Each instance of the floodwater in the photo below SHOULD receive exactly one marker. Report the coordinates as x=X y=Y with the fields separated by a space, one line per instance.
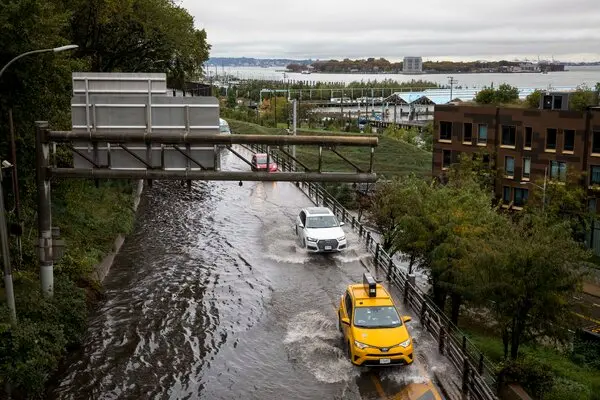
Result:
x=210 y=297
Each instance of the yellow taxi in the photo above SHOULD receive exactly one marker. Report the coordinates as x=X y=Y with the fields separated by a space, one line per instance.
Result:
x=374 y=333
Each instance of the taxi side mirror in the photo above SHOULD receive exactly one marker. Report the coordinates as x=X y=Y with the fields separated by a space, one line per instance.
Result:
x=406 y=318
x=346 y=321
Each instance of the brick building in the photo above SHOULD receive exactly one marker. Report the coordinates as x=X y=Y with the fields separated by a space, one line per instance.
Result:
x=523 y=145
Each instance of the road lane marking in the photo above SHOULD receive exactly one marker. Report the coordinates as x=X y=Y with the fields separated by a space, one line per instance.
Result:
x=378 y=386
x=587 y=318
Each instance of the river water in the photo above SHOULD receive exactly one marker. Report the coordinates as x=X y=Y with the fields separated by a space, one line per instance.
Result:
x=210 y=297
x=570 y=78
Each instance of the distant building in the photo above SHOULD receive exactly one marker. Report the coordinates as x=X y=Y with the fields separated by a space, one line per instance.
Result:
x=412 y=65
x=523 y=145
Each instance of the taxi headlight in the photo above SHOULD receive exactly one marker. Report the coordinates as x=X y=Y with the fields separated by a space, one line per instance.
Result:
x=405 y=344
x=360 y=345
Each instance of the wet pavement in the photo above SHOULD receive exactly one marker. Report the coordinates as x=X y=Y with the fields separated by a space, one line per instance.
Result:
x=211 y=297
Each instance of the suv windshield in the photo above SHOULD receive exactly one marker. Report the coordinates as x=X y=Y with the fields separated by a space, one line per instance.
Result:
x=262 y=160
x=376 y=317
x=322 y=221
x=224 y=128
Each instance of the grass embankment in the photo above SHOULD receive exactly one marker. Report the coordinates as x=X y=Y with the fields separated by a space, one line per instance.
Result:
x=392 y=157
x=571 y=377
x=89 y=219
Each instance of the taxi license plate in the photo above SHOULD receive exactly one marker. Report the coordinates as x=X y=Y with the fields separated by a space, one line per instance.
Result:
x=384 y=361
x=327 y=247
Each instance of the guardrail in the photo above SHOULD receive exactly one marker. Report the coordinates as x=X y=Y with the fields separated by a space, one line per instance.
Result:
x=477 y=372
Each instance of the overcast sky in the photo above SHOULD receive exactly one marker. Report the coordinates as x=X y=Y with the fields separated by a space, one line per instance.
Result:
x=433 y=29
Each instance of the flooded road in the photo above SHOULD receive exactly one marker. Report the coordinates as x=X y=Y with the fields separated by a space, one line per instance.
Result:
x=210 y=297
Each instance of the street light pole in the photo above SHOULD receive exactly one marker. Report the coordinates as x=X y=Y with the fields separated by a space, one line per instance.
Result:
x=8 y=282
x=541 y=187
x=55 y=50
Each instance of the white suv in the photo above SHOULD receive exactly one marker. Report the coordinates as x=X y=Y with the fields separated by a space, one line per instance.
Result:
x=319 y=230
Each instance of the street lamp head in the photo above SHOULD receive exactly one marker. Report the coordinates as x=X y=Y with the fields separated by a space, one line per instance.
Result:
x=64 y=48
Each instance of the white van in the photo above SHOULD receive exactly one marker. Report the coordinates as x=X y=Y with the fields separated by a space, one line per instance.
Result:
x=224 y=127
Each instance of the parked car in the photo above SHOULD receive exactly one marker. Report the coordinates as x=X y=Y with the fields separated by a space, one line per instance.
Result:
x=374 y=333
x=319 y=230
x=259 y=163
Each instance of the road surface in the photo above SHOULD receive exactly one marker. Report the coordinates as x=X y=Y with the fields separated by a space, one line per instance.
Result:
x=210 y=297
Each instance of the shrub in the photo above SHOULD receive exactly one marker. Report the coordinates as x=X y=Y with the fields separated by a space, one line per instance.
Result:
x=30 y=351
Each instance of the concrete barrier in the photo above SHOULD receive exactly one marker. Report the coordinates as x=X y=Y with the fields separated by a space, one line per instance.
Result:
x=102 y=268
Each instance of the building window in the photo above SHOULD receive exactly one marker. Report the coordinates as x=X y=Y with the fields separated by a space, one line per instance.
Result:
x=569 y=144
x=528 y=136
x=595 y=175
x=596 y=142
x=509 y=166
x=592 y=206
x=558 y=170
x=506 y=194
x=467 y=132
x=482 y=133
x=521 y=196
x=445 y=130
x=508 y=135
x=526 y=167
x=557 y=102
x=446 y=158
x=550 y=139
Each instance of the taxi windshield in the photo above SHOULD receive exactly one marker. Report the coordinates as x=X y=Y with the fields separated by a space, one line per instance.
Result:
x=323 y=221
x=376 y=317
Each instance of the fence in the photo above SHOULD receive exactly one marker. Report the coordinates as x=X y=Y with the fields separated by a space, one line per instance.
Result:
x=477 y=372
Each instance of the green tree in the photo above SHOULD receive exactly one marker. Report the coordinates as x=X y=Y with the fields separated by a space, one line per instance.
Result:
x=504 y=94
x=139 y=35
x=486 y=96
x=231 y=99
x=533 y=99
x=564 y=202
x=584 y=97
x=531 y=274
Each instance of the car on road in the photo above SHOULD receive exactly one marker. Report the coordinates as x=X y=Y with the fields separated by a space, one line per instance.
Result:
x=319 y=231
x=223 y=130
x=259 y=163
x=373 y=331
x=224 y=127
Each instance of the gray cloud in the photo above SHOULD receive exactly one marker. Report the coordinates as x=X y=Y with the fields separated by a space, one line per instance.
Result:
x=393 y=29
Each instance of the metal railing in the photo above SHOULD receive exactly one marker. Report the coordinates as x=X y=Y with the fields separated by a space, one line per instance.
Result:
x=477 y=372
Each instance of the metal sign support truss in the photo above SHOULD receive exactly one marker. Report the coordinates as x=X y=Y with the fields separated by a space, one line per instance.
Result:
x=45 y=171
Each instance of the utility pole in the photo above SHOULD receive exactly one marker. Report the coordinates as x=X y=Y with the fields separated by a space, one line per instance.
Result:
x=294 y=130
x=452 y=82
x=42 y=149
x=8 y=281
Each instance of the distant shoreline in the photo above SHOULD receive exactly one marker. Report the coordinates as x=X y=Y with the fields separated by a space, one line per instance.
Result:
x=415 y=74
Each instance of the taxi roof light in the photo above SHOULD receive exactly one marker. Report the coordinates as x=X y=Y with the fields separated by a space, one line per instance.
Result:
x=370 y=284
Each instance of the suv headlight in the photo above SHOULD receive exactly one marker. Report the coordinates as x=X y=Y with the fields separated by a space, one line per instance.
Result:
x=405 y=344
x=309 y=239
x=341 y=238
x=360 y=345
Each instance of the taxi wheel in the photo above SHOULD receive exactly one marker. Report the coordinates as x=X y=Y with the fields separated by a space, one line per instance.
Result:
x=340 y=323
x=349 y=352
